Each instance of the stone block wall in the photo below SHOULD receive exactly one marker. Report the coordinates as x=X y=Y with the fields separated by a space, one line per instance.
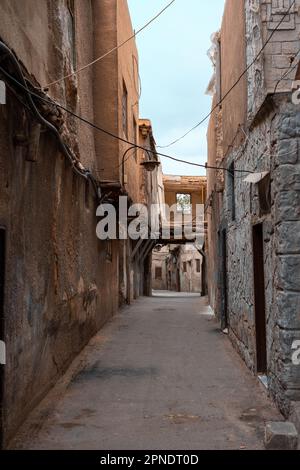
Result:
x=271 y=132
x=285 y=376
x=272 y=146
x=274 y=69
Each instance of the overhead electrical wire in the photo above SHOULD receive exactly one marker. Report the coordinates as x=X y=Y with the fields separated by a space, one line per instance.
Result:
x=52 y=102
x=75 y=72
x=75 y=162
x=95 y=126
x=241 y=152
x=235 y=83
x=291 y=68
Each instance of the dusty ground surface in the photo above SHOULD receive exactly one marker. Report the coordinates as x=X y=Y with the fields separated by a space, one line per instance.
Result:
x=160 y=375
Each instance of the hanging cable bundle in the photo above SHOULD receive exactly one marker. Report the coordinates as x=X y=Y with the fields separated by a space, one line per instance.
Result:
x=75 y=162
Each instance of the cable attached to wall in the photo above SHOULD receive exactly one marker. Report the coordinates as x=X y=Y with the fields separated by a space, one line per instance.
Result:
x=235 y=83
x=114 y=49
x=75 y=163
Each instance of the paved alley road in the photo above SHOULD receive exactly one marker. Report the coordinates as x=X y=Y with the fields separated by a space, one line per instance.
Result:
x=160 y=375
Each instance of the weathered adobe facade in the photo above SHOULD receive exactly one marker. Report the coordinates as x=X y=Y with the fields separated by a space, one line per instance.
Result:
x=61 y=283
x=253 y=247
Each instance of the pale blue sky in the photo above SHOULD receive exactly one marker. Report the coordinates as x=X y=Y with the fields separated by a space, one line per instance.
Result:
x=175 y=72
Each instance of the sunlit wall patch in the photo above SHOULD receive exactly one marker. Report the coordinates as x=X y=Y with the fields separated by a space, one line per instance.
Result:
x=296 y=353
x=2 y=92
x=2 y=353
x=296 y=92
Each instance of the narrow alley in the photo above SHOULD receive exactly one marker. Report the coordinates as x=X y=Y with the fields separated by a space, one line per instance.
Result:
x=149 y=227
x=160 y=375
